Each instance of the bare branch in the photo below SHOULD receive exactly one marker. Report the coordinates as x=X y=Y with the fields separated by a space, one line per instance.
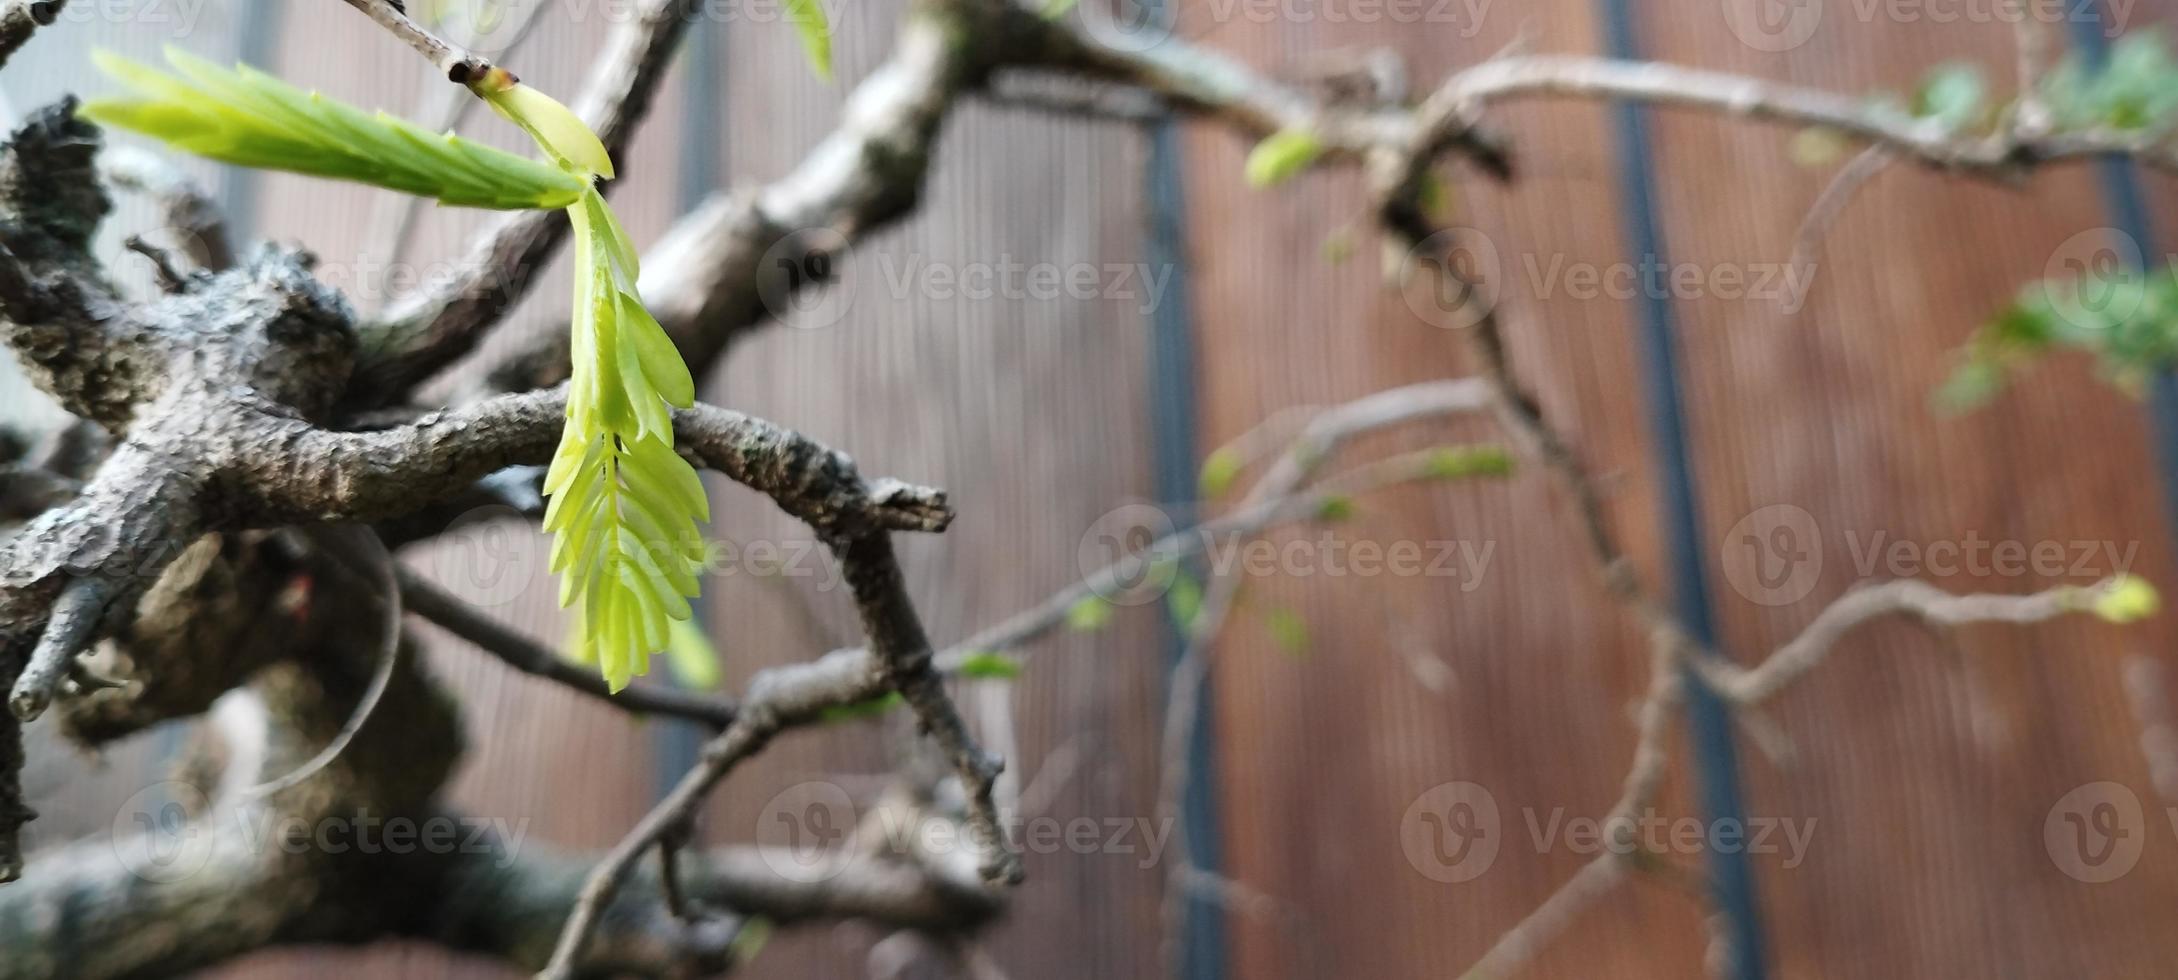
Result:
x=523 y=654
x=1868 y=602
x=457 y=63
x=778 y=698
x=320 y=475
x=21 y=19
x=70 y=629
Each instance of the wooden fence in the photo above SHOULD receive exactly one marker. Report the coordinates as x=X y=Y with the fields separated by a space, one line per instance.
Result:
x=1922 y=767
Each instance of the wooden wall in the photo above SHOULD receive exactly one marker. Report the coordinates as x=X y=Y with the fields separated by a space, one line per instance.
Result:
x=1925 y=765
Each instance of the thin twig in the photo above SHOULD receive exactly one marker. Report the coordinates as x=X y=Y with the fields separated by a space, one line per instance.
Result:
x=457 y=63
x=394 y=219
x=21 y=19
x=1833 y=200
x=533 y=658
x=778 y=698
x=72 y=626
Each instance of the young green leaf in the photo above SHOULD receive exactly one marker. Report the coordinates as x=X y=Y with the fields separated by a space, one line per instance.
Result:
x=624 y=506
x=1184 y=601
x=1281 y=155
x=1089 y=615
x=246 y=117
x=816 y=33
x=863 y=710
x=989 y=665
x=1459 y=462
x=689 y=653
x=1288 y=630
x=1952 y=95
x=1218 y=471
x=555 y=127
x=2128 y=599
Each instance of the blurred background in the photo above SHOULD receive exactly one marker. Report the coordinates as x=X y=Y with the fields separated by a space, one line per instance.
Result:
x=1928 y=777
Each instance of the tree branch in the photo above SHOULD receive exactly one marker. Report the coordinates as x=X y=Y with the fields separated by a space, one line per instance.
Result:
x=457 y=63
x=21 y=19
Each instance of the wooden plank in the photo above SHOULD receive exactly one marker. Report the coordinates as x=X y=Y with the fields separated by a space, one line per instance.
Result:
x=1329 y=758
x=1928 y=765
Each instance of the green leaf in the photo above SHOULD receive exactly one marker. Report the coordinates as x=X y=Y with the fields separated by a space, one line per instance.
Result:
x=1816 y=146
x=754 y=935
x=1338 y=246
x=695 y=662
x=1055 y=9
x=816 y=33
x=1971 y=385
x=863 y=710
x=246 y=117
x=1435 y=198
x=2126 y=317
x=622 y=501
x=1459 y=462
x=1218 y=471
x=1335 y=508
x=1951 y=94
x=1185 y=599
x=1089 y=615
x=553 y=126
x=2127 y=599
x=1281 y=155
x=989 y=665
x=1288 y=630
